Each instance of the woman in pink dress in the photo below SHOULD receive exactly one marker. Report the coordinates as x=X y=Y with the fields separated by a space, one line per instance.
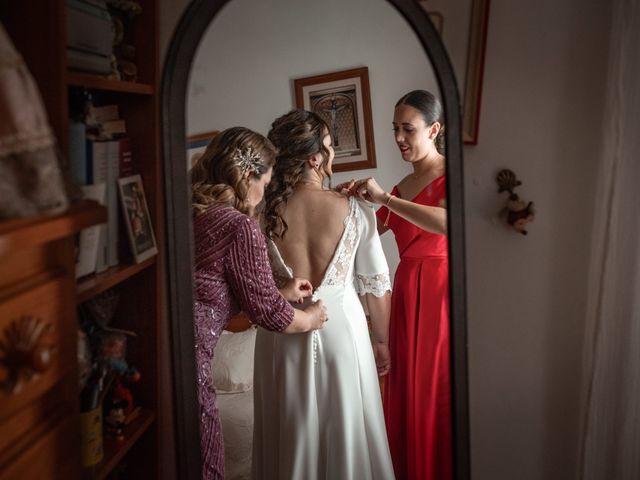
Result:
x=417 y=394
x=232 y=270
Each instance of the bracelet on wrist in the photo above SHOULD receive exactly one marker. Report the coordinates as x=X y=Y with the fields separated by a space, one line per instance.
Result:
x=389 y=197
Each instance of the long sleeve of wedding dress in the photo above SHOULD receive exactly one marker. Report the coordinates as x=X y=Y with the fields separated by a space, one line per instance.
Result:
x=371 y=269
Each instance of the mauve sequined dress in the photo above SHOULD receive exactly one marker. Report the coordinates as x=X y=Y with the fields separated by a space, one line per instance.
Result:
x=232 y=273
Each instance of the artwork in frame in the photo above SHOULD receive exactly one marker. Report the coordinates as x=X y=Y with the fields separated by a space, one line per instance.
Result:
x=343 y=100
x=196 y=145
x=136 y=216
x=463 y=27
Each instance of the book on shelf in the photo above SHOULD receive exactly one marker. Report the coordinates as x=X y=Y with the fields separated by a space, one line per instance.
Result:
x=101 y=124
x=89 y=238
x=114 y=128
x=99 y=171
x=80 y=61
x=104 y=123
x=125 y=159
x=78 y=152
x=110 y=160
x=104 y=113
x=90 y=36
x=89 y=27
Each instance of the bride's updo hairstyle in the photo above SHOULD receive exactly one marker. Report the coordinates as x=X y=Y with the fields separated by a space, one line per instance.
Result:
x=298 y=136
x=218 y=177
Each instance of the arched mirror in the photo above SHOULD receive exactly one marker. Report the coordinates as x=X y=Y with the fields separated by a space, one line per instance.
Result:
x=240 y=62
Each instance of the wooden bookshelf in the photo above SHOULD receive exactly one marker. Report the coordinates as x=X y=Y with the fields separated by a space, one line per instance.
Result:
x=41 y=249
x=94 y=82
x=42 y=229
x=92 y=285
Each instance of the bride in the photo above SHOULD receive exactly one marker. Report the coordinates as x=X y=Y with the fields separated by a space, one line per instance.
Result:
x=318 y=412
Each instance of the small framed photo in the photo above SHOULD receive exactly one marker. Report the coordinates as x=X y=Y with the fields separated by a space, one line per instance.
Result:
x=343 y=100
x=136 y=216
x=196 y=145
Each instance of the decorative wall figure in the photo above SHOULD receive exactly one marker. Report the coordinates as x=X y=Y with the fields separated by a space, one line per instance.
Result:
x=517 y=212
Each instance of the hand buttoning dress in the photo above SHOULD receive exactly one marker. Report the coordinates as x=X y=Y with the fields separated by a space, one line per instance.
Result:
x=232 y=272
x=318 y=412
x=417 y=392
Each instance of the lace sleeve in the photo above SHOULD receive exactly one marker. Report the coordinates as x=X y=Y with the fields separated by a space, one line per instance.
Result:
x=371 y=269
x=377 y=284
x=281 y=273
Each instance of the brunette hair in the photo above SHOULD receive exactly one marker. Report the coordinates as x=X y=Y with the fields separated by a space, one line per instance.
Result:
x=298 y=136
x=217 y=176
x=430 y=108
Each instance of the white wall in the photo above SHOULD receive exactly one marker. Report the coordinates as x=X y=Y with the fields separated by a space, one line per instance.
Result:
x=541 y=114
x=244 y=68
x=541 y=117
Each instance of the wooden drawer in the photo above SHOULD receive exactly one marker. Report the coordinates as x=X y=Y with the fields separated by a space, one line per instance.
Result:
x=50 y=453
x=39 y=421
x=45 y=301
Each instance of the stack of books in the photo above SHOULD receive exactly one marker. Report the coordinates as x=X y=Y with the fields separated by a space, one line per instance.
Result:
x=90 y=36
x=100 y=153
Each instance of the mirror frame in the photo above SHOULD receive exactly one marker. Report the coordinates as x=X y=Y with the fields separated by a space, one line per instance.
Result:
x=178 y=228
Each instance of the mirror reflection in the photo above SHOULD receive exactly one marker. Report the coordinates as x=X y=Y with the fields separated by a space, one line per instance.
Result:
x=345 y=274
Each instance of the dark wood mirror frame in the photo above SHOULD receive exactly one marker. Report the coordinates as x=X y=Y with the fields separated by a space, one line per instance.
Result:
x=186 y=39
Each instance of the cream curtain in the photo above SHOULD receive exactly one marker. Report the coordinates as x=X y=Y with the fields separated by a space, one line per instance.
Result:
x=610 y=440
x=31 y=181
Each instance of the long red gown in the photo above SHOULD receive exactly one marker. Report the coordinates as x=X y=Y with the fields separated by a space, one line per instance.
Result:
x=417 y=393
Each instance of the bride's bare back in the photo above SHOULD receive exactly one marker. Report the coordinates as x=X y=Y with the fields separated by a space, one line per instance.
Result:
x=316 y=223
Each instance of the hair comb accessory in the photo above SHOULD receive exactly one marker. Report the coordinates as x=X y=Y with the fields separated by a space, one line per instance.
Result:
x=248 y=161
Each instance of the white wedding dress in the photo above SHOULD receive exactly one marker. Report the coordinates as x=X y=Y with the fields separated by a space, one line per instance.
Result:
x=318 y=411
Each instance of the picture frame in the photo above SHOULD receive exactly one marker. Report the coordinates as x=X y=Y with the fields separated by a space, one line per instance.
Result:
x=463 y=28
x=343 y=100
x=136 y=217
x=196 y=145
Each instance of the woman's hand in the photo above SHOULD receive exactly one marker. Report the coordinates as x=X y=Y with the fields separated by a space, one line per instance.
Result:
x=369 y=190
x=296 y=290
x=345 y=188
x=311 y=318
x=383 y=358
x=317 y=315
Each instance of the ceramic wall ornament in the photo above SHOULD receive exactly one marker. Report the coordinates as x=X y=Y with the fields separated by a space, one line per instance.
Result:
x=517 y=212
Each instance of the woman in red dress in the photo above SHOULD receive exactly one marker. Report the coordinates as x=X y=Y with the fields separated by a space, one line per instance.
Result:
x=417 y=393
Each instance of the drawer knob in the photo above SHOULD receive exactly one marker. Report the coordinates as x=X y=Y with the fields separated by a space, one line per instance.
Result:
x=23 y=351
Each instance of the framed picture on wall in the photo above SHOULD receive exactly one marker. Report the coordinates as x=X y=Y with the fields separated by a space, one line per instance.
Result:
x=136 y=217
x=343 y=100
x=196 y=145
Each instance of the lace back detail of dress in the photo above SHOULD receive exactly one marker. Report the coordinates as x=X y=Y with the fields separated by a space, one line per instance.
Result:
x=342 y=261
x=281 y=272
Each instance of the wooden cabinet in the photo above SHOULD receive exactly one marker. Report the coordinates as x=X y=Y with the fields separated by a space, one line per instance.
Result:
x=39 y=419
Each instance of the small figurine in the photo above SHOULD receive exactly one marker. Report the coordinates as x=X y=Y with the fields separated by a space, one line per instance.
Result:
x=112 y=353
x=114 y=419
x=112 y=350
x=517 y=212
x=122 y=14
